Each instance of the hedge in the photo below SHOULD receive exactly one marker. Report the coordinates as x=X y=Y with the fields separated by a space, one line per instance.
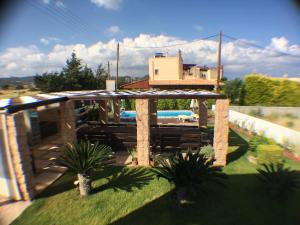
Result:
x=262 y=90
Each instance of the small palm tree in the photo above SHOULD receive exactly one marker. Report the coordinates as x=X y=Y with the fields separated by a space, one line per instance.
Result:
x=83 y=158
x=188 y=173
x=277 y=180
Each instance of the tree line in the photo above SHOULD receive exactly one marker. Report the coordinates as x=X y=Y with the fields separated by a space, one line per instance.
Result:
x=74 y=76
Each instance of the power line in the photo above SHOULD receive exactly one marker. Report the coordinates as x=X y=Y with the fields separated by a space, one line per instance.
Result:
x=58 y=17
x=260 y=47
x=169 y=46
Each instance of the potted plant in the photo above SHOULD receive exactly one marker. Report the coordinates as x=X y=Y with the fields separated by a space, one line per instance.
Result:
x=83 y=158
x=132 y=153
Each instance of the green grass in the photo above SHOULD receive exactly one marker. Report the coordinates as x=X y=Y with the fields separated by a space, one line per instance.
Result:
x=137 y=197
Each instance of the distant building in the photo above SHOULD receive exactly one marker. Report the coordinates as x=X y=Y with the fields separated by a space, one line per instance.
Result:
x=168 y=72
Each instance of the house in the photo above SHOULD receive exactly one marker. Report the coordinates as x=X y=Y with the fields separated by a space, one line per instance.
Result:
x=169 y=72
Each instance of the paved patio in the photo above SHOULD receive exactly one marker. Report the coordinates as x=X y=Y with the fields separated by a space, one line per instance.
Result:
x=10 y=210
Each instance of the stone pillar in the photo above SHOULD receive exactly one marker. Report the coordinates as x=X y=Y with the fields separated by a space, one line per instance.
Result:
x=153 y=111
x=103 y=111
x=143 y=131
x=221 y=130
x=116 y=106
x=202 y=107
x=19 y=148
x=67 y=122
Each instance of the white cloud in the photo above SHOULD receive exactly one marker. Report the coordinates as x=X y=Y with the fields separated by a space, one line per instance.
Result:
x=114 y=30
x=48 y=40
x=280 y=44
x=46 y=1
x=199 y=28
x=237 y=59
x=60 y=4
x=108 y=4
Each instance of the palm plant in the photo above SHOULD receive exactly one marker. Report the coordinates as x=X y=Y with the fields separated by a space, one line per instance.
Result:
x=188 y=173
x=83 y=158
x=277 y=180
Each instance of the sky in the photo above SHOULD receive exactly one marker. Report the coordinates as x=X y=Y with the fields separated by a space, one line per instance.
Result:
x=261 y=36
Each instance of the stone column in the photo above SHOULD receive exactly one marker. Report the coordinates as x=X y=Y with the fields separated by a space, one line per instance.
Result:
x=67 y=122
x=18 y=145
x=103 y=111
x=202 y=107
x=221 y=130
x=153 y=111
x=143 y=131
x=117 y=105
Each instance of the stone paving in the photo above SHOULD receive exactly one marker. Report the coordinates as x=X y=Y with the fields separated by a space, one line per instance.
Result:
x=9 y=210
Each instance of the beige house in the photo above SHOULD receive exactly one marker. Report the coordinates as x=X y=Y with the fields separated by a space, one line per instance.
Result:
x=170 y=70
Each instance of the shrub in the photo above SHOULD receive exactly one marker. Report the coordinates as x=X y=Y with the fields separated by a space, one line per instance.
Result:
x=290 y=124
x=132 y=153
x=270 y=153
x=83 y=158
x=188 y=173
x=93 y=113
x=208 y=152
x=258 y=140
x=256 y=112
x=277 y=180
x=19 y=87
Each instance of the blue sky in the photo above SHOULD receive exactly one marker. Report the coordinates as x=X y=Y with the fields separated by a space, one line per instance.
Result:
x=46 y=31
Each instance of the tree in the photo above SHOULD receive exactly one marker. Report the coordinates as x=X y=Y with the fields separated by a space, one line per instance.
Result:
x=72 y=73
x=101 y=77
x=49 y=82
x=72 y=77
x=232 y=88
x=5 y=86
x=83 y=158
x=183 y=104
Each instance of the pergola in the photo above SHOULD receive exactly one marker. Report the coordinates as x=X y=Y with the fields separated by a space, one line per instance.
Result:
x=146 y=115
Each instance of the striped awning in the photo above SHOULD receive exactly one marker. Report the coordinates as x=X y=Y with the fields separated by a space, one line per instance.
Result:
x=27 y=102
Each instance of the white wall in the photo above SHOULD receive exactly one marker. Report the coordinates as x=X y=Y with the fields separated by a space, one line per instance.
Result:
x=278 y=133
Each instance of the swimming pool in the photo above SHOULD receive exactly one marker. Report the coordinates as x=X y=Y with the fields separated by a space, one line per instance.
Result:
x=160 y=113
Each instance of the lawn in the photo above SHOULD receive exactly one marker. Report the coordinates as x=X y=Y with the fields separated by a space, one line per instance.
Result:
x=137 y=197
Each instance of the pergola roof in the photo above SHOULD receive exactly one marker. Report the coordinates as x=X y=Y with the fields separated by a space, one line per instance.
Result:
x=27 y=102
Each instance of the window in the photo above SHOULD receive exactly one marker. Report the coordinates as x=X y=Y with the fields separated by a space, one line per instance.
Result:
x=156 y=71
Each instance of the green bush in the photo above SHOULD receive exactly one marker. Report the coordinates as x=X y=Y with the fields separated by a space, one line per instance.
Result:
x=258 y=140
x=261 y=90
x=269 y=153
x=290 y=124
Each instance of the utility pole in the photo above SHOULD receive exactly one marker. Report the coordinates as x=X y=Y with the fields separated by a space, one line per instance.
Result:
x=118 y=56
x=108 y=71
x=219 y=61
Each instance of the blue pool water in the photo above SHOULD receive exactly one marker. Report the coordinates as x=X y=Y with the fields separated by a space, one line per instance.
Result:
x=160 y=114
